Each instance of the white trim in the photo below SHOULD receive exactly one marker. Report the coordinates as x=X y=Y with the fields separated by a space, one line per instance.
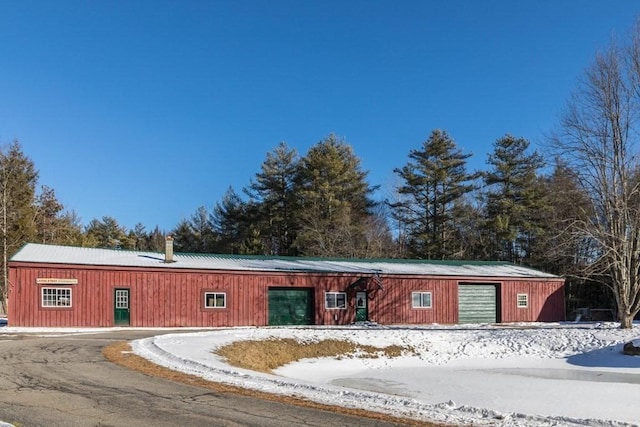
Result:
x=58 y=296
x=522 y=298
x=216 y=295
x=422 y=295
x=334 y=304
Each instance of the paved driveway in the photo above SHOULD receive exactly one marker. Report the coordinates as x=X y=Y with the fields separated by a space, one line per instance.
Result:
x=65 y=381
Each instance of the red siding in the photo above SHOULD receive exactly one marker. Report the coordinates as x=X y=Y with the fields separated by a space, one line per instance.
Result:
x=545 y=298
x=174 y=298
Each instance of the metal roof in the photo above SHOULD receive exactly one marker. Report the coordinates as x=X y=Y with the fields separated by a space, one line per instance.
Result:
x=53 y=254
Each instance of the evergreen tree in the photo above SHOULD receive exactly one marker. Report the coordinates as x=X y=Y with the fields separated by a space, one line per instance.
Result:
x=335 y=201
x=54 y=225
x=139 y=237
x=563 y=249
x=69 y=230
x=48 y=211
x=18 y=179
x=231 y=221
x=274 y=193
x=202 y=230
x=156 y=240
x=107 y=233
x=184 y=239
x=434 y=182
x=514 y=199
x=196 y=234
x=558 y=250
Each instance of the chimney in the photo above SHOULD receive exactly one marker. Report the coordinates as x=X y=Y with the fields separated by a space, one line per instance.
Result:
x=168 y=249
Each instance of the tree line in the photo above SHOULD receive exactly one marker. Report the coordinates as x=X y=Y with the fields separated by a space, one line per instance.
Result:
x=574 y=211
x=321 y=204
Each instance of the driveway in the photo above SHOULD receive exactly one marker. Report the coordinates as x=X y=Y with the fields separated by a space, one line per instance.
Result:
x=65 y=381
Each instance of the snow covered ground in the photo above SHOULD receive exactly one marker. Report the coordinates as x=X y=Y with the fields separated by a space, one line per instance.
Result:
x=559 y=374
x=511 y=375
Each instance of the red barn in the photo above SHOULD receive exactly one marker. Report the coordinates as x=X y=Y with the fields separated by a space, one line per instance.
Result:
x=72 y=286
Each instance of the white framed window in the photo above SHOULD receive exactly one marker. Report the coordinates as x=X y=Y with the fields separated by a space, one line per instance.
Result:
x=335 y=300
x=522 y=300
x=215 y=300
x=421 y=299
x=56 y=297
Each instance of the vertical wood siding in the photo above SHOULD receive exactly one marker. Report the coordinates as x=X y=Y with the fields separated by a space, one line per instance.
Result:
x=175 y=298
x=545 y=298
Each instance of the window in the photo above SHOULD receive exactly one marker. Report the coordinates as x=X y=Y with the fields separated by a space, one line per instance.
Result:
x=421 y=299
x=522 y=300
x=56 y=297
x=215 y=300
x=335 y=300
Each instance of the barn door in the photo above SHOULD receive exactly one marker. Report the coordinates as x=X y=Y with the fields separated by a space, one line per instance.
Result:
x=290 y=306
x=477 y=303
x=121 y=308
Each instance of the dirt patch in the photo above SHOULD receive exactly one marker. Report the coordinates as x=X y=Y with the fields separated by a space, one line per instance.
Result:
x=267 y=355
x=121 y=354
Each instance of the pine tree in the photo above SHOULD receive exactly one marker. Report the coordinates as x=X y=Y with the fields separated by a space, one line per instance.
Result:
x=231 y=222
x=156 y=240
x=18 y=179
x=139 y=237
x=274 y=194
x=562 y=248
x=514 y=198
x=48 y=210
x=107 y=233
x=202 y=229
x=53 y=225
x=196 y=234
x=335 y=201
x=69 y=230
x=435 y=181
x=184 y=239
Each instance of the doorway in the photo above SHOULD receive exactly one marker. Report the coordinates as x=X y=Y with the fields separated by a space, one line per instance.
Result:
x=362 y=312
x=121 y=307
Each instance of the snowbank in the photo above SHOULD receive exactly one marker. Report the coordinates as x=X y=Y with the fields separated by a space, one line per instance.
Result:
x=508 y=375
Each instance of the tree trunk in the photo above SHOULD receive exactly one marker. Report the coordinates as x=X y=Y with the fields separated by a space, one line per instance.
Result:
x=626 y=320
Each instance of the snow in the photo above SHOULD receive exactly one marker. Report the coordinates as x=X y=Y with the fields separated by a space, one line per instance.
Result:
x=40 y=253
x=515 y=375
x=540 y=374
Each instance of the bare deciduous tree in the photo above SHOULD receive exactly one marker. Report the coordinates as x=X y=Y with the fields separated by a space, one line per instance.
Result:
x=599 y=140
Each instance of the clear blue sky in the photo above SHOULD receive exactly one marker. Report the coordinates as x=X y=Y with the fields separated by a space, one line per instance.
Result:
x=146 y=110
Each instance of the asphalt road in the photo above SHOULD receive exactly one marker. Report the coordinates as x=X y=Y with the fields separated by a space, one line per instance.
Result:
x=65 y=381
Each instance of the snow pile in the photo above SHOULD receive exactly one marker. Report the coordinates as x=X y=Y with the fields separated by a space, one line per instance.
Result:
x=507 y=375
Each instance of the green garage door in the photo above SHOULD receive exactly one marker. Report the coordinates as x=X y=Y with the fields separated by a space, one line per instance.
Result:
x=477 y=303
x=290 y=306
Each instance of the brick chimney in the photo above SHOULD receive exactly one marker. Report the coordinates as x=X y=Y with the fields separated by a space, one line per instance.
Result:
x=168 y=249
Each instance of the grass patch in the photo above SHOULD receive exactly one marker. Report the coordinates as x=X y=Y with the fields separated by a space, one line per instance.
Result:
x=267 y=355
x=120 y=353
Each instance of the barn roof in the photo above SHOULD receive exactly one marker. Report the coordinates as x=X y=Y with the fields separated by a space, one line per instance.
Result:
x=52 y=254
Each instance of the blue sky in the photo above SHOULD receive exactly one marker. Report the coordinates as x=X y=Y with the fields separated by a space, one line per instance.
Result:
x=146 y=110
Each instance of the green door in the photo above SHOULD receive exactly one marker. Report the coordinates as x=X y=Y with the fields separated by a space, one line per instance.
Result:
x=290 y=306
x=362 y=314
x=121 y=310
x=477 y=303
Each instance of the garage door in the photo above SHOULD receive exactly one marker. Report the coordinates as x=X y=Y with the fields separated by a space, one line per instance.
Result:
x=290 y=306
x=477 y=303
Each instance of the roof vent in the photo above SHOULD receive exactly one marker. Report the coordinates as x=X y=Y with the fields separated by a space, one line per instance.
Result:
x=168 y=249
